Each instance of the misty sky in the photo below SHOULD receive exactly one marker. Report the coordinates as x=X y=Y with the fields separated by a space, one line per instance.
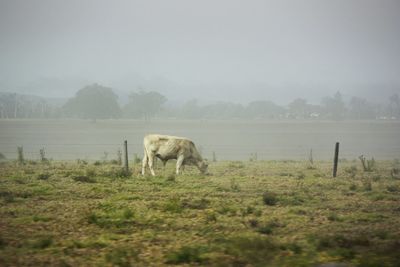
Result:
x=228 y=50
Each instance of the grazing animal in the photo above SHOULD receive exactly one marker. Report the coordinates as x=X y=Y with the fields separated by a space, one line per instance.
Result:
x=167 y=147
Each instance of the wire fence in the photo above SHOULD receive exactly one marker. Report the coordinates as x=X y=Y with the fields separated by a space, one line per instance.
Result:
x=109 y=151
x=228 y=140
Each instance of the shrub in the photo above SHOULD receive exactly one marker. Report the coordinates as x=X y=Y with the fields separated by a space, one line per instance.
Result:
x=122 y=172
x=353 y=187
x=253 y=223
x=393 y=188
x=333 y=217
x=173 y=205
x=248 y=210
x=234 y=185
x=236 y=165
x=265 y=229
x=286 y=174
x=268 y=227
x=43 y=242
x=270 y=198
x=367 y=185
x=199 y=203
x=121 y=219
x=38 y=218
x=301 y=175
x=251 y=250
x=92 y=218
x=7 y=196
x=81 y=162
x=90 y=172
x=121 y=257
x=114 y=162
x=376 y=178
x=42 y=154
x=128 y=214
x=368 y=165
x=395 y=173
x=83 y=179
x=2 y=243
x=211 y=217
x=352 y=171
x=294 y=198
x=296 y=248
x=43 y=176
x=118 y=173
x=253 y=157
x=136 y=159
x=339 y=240
x=119 y=157
x=187 y=254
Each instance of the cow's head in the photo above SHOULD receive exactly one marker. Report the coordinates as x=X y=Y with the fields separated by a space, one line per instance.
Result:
x=203 y=166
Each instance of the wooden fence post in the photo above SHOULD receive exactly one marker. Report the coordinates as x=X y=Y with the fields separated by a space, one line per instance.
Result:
x=310 y=158
x=126 y=156
x=335 y=160
x=20 y=151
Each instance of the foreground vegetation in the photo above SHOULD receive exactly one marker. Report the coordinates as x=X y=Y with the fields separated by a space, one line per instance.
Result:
x=260 y=213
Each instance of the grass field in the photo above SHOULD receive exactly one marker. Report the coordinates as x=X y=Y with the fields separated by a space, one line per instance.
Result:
x=263 y=213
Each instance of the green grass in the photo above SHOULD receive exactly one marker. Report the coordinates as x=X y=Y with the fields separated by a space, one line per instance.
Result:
x=258 y=213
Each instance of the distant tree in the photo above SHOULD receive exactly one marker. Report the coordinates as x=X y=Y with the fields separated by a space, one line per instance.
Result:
x=8 y=104
x=299 y=108
x=14 y=105
x=223 y=110
x=361 y=109
x=264 y=109
x=394 y=106
x=144 y=104
x=94 y=102
x=334 y=107
x=191 y=110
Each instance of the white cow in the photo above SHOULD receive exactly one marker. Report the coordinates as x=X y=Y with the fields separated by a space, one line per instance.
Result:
x=167 y=147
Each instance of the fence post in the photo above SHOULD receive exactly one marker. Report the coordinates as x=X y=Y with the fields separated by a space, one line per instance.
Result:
x=126 y=167
x=42 y=155
x=310 y=158
x=214 y=157
x=335 y=160
x=20 y=151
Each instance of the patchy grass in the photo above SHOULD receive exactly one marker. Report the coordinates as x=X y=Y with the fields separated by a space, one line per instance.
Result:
x=185 y=254
x=258 y=213
x=270 y=198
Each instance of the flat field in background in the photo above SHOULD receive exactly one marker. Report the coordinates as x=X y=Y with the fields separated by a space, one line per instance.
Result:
x=263 y=213
x=230 y=140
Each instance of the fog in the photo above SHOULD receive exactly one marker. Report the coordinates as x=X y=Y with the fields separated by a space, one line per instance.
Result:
x=210 y=50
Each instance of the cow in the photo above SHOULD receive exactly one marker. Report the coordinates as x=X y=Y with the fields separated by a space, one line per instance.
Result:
x=166 y=147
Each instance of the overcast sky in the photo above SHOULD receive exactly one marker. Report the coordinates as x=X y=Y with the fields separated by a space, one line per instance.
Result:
x=224 y=49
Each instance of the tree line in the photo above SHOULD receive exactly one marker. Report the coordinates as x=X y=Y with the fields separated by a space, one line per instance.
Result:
x=99 y=102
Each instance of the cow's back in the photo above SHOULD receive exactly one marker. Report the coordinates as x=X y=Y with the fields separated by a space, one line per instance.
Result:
x=167 y=144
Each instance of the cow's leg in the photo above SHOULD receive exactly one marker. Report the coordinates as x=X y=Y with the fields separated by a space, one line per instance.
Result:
x=179 y=164
x=144 y=161
x=151 y=163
